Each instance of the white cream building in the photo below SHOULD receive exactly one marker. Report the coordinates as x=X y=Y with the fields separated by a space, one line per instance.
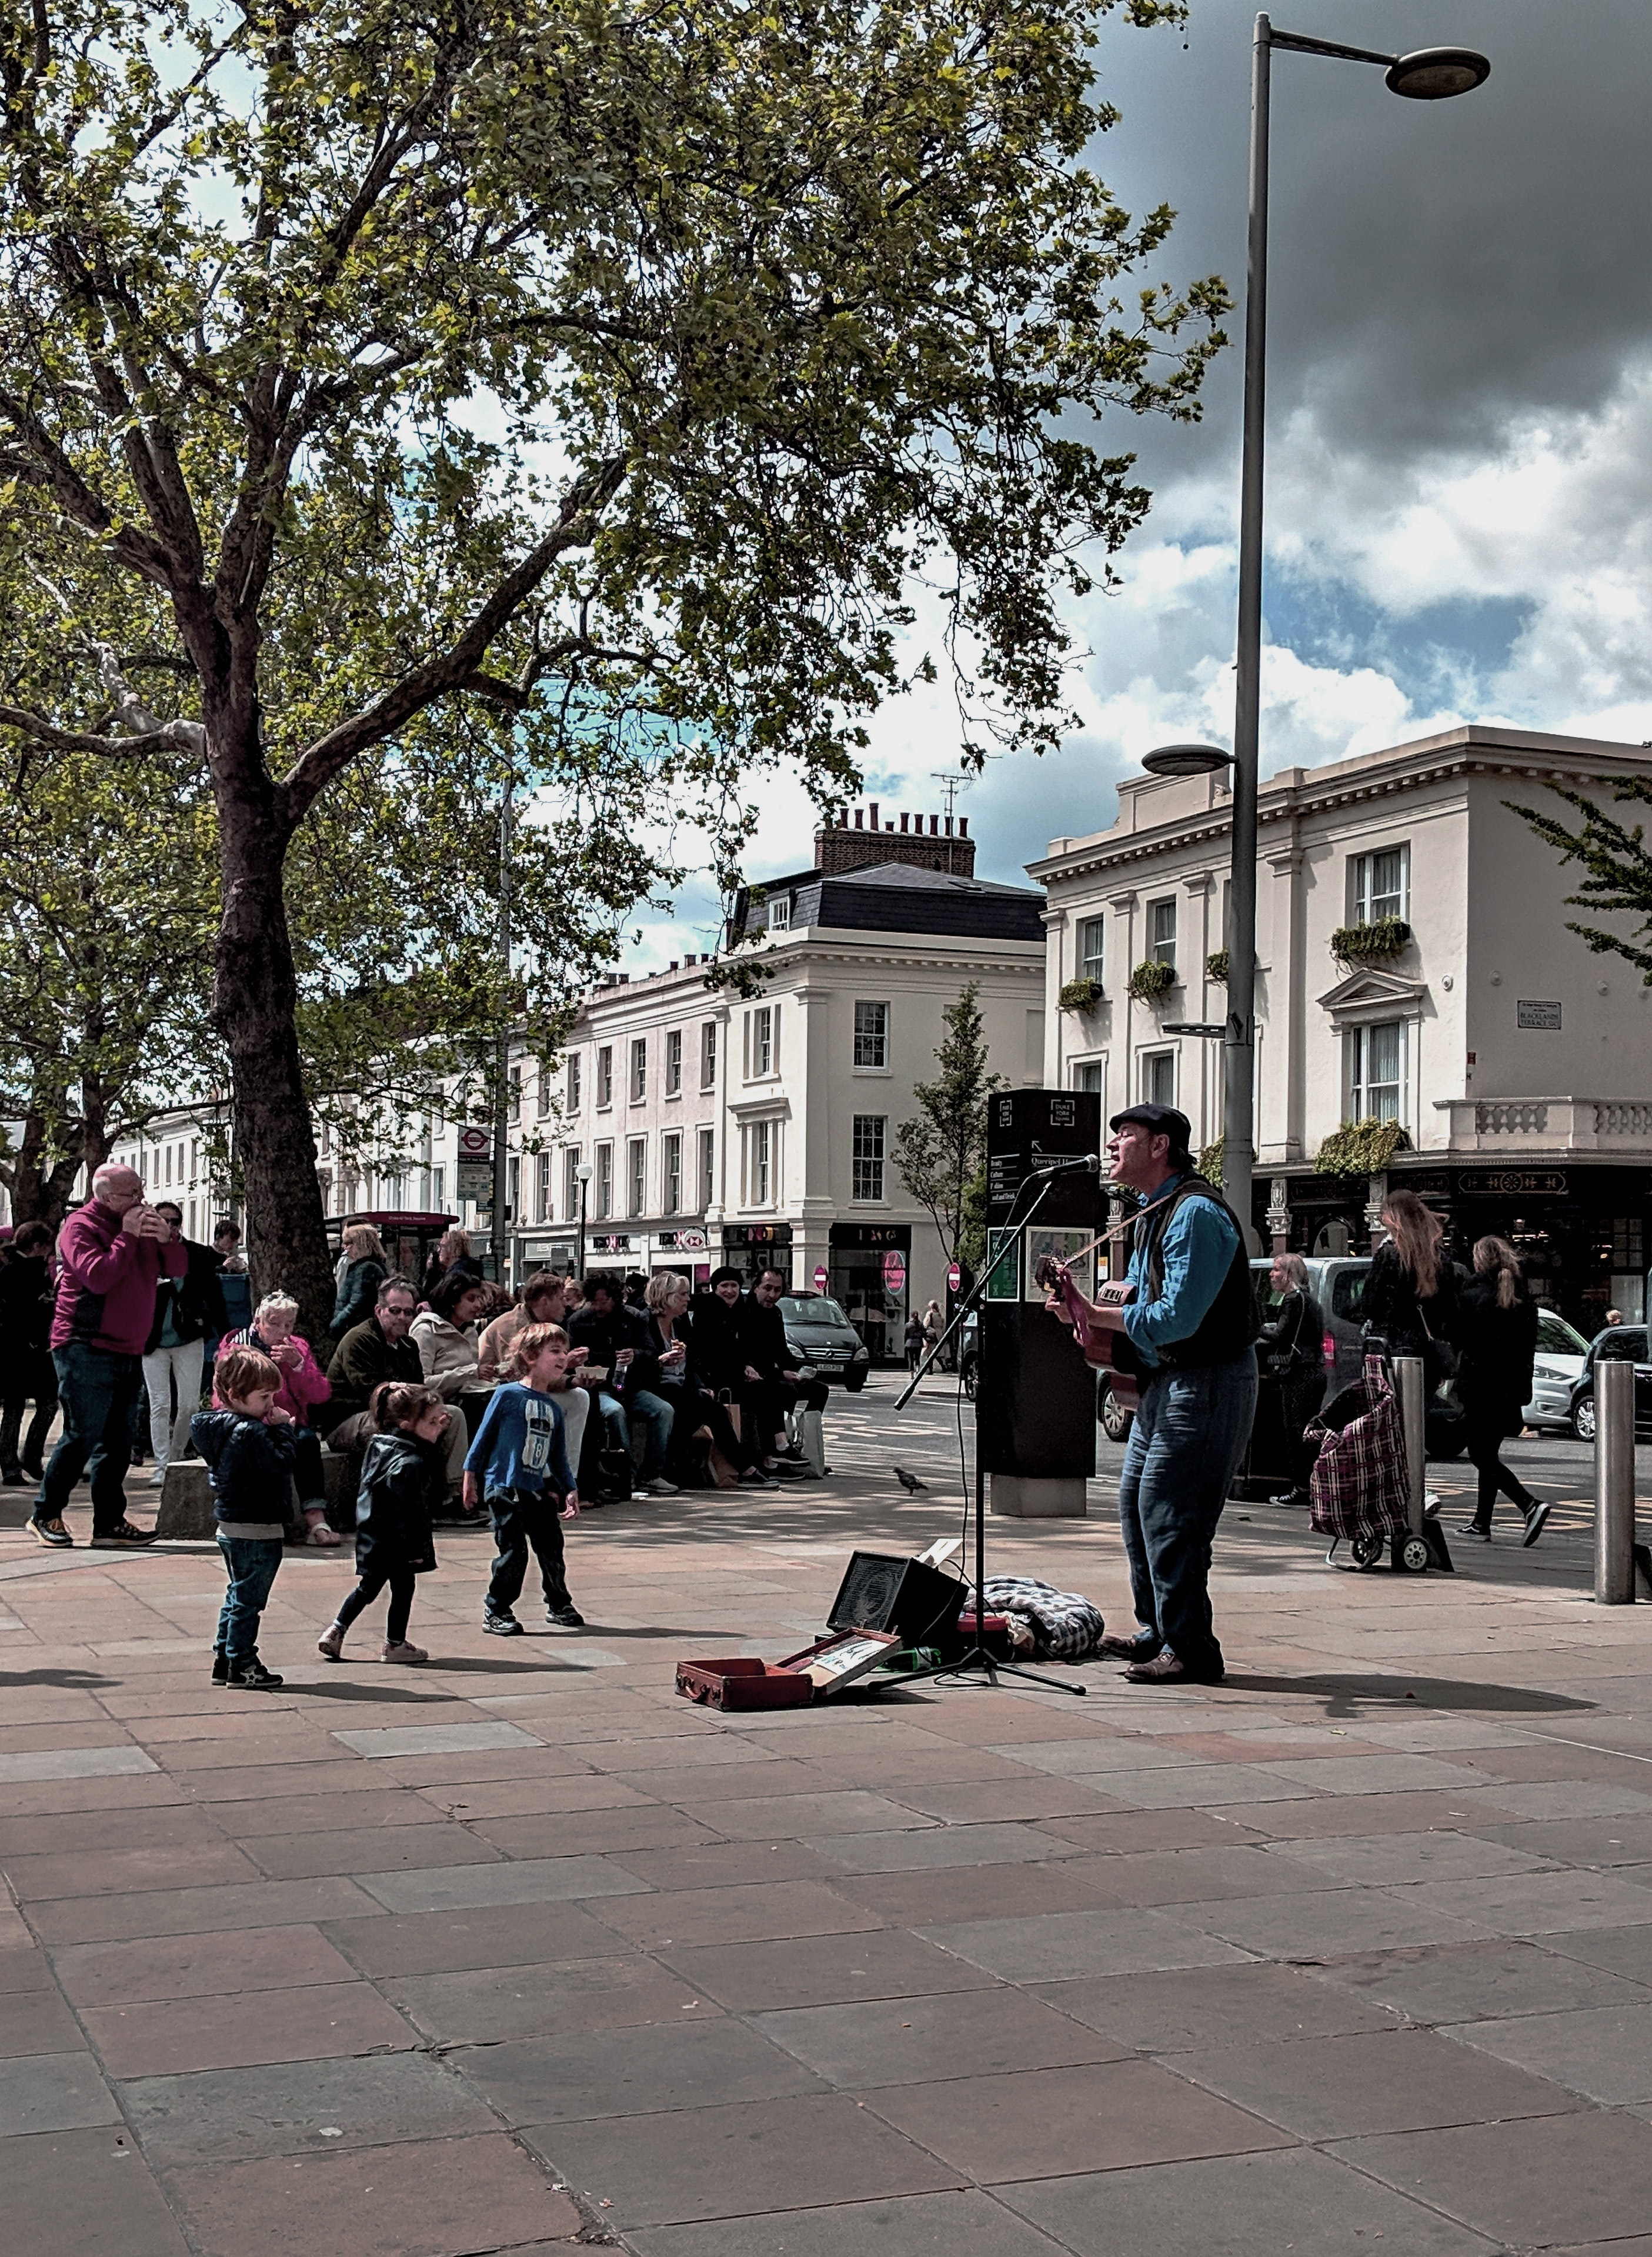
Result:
x=1518 y=1064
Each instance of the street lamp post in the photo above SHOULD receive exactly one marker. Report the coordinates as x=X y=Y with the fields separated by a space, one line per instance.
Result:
x=582 y=1176
x=1430 y=74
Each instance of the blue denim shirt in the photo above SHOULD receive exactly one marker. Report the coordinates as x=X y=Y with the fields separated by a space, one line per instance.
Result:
x=1198 y=1251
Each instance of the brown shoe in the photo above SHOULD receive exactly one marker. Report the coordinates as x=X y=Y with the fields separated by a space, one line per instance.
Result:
x=1122 y=1649
x=1165 y=1669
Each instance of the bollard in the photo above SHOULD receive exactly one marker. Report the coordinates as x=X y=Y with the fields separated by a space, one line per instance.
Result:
x=1409 y=1385
x=1614 y=1484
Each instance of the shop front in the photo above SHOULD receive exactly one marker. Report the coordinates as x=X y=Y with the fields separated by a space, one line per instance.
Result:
x=869 y=1270
x=752 y=1248
x=685 y=1251
x=1581 y=1232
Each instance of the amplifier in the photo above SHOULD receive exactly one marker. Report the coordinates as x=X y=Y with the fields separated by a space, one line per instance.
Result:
x=888 y=1592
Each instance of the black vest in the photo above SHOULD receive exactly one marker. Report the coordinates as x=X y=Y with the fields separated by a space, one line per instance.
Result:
x=1231 y=1324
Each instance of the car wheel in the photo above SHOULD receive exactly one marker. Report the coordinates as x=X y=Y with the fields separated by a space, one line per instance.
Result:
x=1116 y=1420
x=969 y=1377
x=1582 y=1419
x=854 y=1381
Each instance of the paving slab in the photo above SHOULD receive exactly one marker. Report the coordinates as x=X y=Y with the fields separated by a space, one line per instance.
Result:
x=165 y=2037
x=186 y=1912
x=1183 y=2008
x=921 y=2040
x=378 y=1849
x=632 y=2072
x=1048 y=1947
x=18 y=1766
x=242 y=1962
x=299 y=2108
x=1544 y=2180
x=1326 y=1924
x=527 y=1880
x=1460 y=1982
x=35 y=2021
x=53 y=2092
x=821 y=1970
x=1604 y=2052
x=87 y=2194
x=939 y=1846
x=474 y=1935
x=433 y=1739
x=960 y=1893
x=755 y=1914
x=492 y=2005
x=1253 y=2205
x=1541 y=1904
x=1626 y=1952
x=973 y=2225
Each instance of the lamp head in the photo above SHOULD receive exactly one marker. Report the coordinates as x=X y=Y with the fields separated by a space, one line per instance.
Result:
x=583 y=1173
x=1436 y=73
x=1186 y=760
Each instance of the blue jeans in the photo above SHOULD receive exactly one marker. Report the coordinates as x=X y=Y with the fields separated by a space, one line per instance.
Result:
x=1190 y=1434
x=655 y=1415
x=250 y=1562
x=99 y=1393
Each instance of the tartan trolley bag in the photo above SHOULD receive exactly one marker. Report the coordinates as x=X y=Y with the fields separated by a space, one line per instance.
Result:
x=1359 y=1488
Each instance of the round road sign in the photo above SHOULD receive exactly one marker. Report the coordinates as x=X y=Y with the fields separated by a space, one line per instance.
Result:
x=820 y=1278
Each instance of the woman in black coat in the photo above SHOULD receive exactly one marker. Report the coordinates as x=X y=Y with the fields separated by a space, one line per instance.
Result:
x=1290 y=1350
x=1410 y=1297
x=1497 y=1339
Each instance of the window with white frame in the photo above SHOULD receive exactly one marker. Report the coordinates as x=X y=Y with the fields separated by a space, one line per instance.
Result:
x=867 y=1156
x=781 y=913
x=606 y=1075
x=638 y=1069
x=674 y=1061
x=872 y=1034
x=1092 y=1073
x=671 y=1174
x=709 y=1054
x=515 y=1093
x=636 y=1176
x=542 y=1093
x=759 y=1041
x=1379 y=885
x=603 y=1184
x=438 y=1188
x=1091 y=951
x=513 y=1188
x=570 y=1182
x=1376 y=1070
x=1158 y=1078
x=759 y=1164
x=573 y=1083
x=1161 y=932
x=706 y=1166
x=542 y=1187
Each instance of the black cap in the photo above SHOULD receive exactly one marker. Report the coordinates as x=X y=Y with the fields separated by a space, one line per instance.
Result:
x=1162 y=1121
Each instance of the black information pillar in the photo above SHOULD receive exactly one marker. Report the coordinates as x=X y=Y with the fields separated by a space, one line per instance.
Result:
x=1036 y=1413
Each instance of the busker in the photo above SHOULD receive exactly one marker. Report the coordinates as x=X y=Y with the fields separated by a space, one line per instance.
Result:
x=401 y=1479
x=1497 y=1340
x=1191 y=1323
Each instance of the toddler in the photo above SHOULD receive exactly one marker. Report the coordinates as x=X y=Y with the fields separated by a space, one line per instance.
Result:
x=246 y=1440
x=401 y=1474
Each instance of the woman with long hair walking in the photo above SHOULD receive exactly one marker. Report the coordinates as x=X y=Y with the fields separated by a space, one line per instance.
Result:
x=1497 y=1339
x=1410 y=1298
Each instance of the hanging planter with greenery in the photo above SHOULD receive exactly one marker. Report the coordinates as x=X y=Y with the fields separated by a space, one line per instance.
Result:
x=1369 y=944
x=1215 y=967
x=1362 y=1148
x=1080 y=996
x=1210 y=1163
x=1151 y=979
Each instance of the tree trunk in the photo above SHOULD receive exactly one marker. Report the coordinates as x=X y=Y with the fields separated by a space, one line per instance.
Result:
x=255 y=996
x=39 y=1183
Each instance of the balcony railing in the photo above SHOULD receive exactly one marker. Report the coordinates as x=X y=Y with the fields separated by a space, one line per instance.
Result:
x=1549 y=1124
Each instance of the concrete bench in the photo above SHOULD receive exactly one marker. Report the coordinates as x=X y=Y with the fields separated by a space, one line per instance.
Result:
x=186 y=1501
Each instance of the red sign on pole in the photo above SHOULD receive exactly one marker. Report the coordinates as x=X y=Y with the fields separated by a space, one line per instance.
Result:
x=954 y=1275
x=820 y=1278
x=894 y=1272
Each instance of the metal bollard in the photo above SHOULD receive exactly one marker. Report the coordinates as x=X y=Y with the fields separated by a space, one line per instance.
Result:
x=1614 y=1484
x=1409 y=1385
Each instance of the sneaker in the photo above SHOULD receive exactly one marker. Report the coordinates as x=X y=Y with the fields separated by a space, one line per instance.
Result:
x=790 y=1455
x=331 y=1644
x=157 y=1478
x=123 y=1537
x=1475 y=1529
x=568 y=1617
x=400 y=1651
x=220 y=1665
x=15 y=1479
x=754 y=1477
x=1536 y=1516
x=661 y=1487
x=252 y=1677
x=51 y=1531
x=502 y=1625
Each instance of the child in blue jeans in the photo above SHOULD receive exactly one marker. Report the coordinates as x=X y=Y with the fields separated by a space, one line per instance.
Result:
x=518 y=1466
x=246 y=1440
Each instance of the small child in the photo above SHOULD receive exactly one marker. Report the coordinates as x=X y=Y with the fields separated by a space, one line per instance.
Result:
x=247 y=1442
x=518 y=1467
x=401 y=1473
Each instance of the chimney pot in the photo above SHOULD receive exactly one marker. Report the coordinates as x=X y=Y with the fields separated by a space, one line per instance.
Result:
x=872 y=822
x=858 y=823
x=903 y=823
x=935 y=826
x=963 y=826
x=949 y=826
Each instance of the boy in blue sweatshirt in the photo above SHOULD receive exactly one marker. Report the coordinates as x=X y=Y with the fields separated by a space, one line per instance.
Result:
x=518 y=1466
x=246 y=1440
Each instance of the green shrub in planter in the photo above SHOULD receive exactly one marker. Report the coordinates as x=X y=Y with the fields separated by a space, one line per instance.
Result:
x=1151 y=979
x=1210 y=1163
x=1362 y=1148
x=1215 y=967
x=1368 y=944
x=1080 y=996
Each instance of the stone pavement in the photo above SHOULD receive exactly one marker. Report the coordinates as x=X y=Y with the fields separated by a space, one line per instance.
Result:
x=520 y=1950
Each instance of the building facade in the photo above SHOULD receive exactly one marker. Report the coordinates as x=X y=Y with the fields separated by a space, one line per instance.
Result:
x=1413 y=967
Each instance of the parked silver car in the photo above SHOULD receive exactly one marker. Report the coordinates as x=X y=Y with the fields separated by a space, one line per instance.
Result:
x=823 y=1341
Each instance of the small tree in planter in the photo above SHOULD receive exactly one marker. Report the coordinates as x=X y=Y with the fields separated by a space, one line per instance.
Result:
x=1083 y=996
x=1362 y=1148
x=1152 y=980
x=1369 y=944
x=1215 y=967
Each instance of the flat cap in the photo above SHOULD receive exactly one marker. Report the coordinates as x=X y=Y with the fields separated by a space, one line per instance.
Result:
x=1161 y=1121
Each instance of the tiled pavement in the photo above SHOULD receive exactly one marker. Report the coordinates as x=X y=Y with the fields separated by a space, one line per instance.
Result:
x=520 y=1950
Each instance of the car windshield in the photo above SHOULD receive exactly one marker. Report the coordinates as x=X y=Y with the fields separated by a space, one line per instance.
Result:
x=815 y=1310
x=1556 y=1336
x=1622 y=1344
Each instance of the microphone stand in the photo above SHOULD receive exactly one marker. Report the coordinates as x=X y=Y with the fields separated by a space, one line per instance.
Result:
x=1012 y=1239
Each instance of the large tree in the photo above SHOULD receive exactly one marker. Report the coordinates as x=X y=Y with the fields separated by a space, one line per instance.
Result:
x=602 y=376
x=940 y=1153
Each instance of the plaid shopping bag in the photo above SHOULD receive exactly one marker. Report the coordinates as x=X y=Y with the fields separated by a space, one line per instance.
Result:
x=1359 y=1485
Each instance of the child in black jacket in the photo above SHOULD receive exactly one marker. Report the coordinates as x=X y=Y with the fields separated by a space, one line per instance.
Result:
x=246 y=1440
x=400 y=1474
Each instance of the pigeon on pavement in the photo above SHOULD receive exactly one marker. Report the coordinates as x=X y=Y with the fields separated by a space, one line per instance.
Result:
x=908 y=1481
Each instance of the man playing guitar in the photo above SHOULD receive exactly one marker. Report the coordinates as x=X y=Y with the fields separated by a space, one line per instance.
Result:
x=1190 y=1324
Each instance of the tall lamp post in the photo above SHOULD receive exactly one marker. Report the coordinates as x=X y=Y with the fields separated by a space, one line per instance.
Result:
x=1430 y=74
x=582 y=1176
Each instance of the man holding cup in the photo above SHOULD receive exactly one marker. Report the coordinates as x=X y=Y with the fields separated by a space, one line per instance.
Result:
x=112 y=1254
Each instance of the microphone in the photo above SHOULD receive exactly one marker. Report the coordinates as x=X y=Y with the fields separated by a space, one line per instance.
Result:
x=1090 y=1162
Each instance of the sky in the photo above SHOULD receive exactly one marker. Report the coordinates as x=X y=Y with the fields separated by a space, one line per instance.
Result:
x=1459 y=430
